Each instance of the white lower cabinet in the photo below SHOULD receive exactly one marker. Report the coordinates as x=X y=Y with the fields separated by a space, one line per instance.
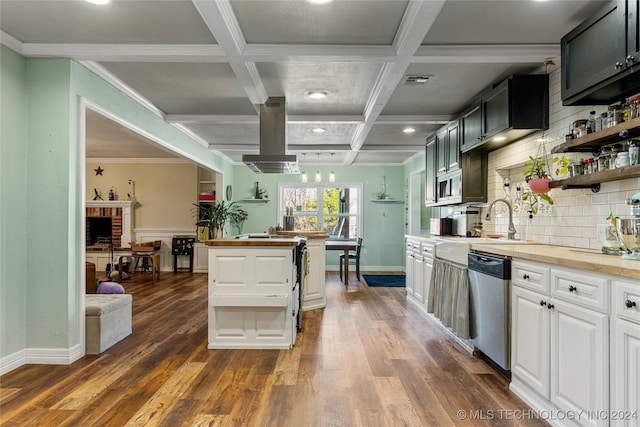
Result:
x=313 y=290
x=427 y=269
x=530 y=340
x=418 y=275
x=625 y=355
x=418 y=269
x=560 y=343
x=409 y=269
x=579 y=364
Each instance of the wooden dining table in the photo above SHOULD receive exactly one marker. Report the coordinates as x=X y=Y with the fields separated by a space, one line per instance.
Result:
x=342 y=245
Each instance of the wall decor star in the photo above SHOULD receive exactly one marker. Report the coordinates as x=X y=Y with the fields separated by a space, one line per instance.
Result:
x=99 y=171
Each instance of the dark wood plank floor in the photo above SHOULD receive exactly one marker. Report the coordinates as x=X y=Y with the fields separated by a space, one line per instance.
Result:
x=368 y=359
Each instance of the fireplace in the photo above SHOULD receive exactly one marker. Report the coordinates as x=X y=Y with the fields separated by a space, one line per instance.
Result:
x=109 y=221
x=99 y=230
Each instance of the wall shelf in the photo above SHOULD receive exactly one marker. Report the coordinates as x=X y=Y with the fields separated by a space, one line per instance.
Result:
x=254 y=200
x=387 y=201
x=594 y=141
x=593 y=180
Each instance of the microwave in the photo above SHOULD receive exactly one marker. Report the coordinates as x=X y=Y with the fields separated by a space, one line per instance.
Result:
x=440 y=226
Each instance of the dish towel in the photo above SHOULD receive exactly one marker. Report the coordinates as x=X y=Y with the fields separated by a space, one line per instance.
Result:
x=449 y=296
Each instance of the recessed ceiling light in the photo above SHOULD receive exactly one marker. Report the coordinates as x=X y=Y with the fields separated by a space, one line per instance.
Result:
x=408 y=130
x=319 y=1
x=317 y=94
x=318 y=130
x=500 y=138
x=100 y=2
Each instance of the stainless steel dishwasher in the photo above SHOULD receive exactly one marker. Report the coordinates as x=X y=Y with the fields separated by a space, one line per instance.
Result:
x=490 y=306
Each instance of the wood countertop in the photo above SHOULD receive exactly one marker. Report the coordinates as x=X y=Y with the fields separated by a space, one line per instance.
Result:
x=272 y=241
x=564 y=256
x=557 y=255
x=307 y=234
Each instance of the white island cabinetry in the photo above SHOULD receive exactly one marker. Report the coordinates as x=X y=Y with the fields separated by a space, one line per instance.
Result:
x=253 y=297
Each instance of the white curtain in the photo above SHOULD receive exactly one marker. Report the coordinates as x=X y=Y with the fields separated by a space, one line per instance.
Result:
x=449 y=296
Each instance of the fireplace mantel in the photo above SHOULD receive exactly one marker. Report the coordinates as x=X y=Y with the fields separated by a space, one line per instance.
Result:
x=127 y=215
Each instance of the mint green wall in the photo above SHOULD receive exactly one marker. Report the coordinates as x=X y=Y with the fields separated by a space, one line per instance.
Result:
x=383 y=224
x=417 y=165
x=13 y=206
x=41 y=193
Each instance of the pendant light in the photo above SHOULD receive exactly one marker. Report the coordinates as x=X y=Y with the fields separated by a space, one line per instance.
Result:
x=304 y=172
x=332 y=174
x=318 y=174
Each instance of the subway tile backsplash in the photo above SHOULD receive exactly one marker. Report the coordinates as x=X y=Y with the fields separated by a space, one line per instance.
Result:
x=573 y=219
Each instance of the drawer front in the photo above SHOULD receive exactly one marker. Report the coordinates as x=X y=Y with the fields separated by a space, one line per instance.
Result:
x=427 y=250
x=626 y=300
x=584 y=289
x=411 y=244
x=531 y=276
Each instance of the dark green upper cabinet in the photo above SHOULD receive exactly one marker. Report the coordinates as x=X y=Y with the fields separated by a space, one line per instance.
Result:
x=506 y=112
x=448 y=147
x=430 y=171
x=600 y=57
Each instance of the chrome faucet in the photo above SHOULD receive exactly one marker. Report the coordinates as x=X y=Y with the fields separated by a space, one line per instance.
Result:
x=512 y=229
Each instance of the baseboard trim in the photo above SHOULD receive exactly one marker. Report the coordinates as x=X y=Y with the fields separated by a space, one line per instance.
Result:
x=41 y=356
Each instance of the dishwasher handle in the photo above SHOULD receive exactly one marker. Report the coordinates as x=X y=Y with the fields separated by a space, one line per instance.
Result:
x=490 y=265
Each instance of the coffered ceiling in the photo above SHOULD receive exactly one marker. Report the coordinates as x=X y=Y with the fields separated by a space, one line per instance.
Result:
x=206 y=65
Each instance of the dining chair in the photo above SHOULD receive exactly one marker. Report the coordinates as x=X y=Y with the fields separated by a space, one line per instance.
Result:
x=353 y=259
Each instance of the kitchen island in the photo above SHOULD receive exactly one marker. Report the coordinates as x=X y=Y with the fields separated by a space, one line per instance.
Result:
x=253 y=292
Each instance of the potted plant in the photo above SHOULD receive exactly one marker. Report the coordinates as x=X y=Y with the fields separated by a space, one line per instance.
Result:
x=217 y=214
x=536 y=175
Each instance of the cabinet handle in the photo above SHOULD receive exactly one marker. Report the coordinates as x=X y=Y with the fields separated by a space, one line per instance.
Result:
x=630 y=303
x=631 y=58
x=543 y=303
x=525 y=276
x=619 y=65
x=572 y=288
x=550 y=306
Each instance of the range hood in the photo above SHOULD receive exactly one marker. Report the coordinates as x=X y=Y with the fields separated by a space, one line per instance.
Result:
x=273 y=141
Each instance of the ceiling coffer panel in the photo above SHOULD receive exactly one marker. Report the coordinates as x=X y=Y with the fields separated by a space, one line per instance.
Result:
x=273 y=141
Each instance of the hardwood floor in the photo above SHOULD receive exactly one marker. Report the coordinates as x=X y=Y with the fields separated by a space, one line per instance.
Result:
x=369 y=359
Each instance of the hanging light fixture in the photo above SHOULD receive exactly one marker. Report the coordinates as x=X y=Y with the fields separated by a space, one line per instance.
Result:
x=332 y=174
x=318 y=174
x=304 y=172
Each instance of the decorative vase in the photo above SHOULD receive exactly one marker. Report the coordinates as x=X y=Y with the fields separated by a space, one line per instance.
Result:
x=540 y=185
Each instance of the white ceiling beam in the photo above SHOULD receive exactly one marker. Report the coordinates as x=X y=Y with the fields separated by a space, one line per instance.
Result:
x=200 y=53
x=11 y=42
x=251 y=119
x=416 y=22
x=482 y=54
x=223 y=25
x=436 y=119
x=392 y=148
x=314 y=53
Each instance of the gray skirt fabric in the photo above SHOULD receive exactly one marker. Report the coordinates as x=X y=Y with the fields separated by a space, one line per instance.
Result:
x=449 y=296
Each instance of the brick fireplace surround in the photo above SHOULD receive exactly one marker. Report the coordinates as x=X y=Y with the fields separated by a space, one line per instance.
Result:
x=121 y=213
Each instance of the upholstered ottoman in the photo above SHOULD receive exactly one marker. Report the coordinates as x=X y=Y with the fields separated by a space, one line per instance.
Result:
x=108 y=320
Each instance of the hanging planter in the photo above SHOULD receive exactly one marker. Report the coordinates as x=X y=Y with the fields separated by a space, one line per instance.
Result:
x=540 y=185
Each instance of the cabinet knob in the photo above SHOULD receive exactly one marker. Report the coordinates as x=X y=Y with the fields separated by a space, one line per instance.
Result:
x=630 y=303
x=525 y=276
x=631 y=58
x=550 y=306
x=619 y=65
x=543 y=303
x=572 y=288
